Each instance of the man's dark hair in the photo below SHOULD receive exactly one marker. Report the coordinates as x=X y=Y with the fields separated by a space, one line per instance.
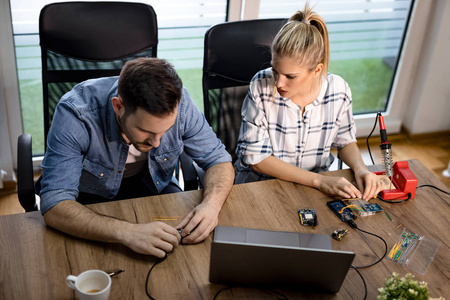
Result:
x=151 y=84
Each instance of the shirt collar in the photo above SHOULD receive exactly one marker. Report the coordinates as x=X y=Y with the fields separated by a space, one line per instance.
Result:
x=112 y=127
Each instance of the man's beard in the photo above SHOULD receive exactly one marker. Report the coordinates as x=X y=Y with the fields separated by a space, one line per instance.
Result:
x=142 y=147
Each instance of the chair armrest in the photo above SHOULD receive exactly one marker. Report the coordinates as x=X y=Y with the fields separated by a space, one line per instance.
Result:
x=192 y=173
x=25 y=181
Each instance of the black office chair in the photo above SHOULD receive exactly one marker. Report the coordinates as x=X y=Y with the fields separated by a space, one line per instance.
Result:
x=234 y=52
x=84 y=40
x=25 y=180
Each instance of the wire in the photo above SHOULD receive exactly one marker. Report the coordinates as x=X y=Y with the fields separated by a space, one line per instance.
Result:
x=434 y=187
x=230 y=287
x=350 y=206
x=362 y=278
x=159 y=260
x=353 y=224
x=370 y=134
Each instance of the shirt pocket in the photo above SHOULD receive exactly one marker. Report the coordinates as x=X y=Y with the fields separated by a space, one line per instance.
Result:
x=168 y=159
x=94 y=176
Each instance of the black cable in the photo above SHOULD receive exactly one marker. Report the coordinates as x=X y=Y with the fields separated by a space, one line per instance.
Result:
x=221 y=290
x=394 y=202
x=409 y=194
x=370 y=134
x=353 y=224
x=434 y=187
x=159 y=260
x=230 y=287
x=362 y=278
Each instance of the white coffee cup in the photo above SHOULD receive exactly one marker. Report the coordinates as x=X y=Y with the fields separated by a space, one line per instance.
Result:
x=91 y=285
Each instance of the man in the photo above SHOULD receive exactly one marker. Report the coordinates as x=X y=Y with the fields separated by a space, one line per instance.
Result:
x=119 y=136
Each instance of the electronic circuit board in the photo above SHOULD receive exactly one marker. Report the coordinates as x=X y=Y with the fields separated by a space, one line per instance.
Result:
x=308 y=217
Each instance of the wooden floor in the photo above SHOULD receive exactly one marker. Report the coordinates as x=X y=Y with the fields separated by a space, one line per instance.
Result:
x=432 y=150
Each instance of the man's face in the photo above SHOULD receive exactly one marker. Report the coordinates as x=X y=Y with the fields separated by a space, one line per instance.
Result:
x=142 y=129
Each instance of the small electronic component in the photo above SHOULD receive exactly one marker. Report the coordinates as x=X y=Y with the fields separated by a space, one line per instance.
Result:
x=308 y=217
x=363 y=208
x=403 y=247
x=341 y=210
x=339 y=234
x=180 y=231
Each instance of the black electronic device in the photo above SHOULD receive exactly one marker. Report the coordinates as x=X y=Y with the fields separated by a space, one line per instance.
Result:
x=338 y=207
x=308 y=217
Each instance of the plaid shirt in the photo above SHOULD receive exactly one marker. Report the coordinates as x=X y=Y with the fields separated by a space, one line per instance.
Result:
x=275 y=126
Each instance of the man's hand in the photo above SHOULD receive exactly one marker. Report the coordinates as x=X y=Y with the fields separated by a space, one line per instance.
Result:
x=71 y=217
x=154 y=238
x=199 y=223
x=369 y=183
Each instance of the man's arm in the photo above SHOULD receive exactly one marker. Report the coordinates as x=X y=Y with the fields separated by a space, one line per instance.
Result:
x=71 y=217
x=367 y=182
x=199 y=223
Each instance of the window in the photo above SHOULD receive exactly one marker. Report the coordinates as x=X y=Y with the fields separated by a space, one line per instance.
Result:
x=182 y=26
x=365 y=42
x=25 y=17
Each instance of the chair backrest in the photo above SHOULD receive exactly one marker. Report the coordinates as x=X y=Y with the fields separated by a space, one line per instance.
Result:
x=234 y=52
x=84 y=40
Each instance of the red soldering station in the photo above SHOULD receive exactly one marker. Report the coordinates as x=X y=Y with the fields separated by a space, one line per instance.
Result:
x=401 y=176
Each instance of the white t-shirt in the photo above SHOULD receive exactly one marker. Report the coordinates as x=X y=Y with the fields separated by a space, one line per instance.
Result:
x=136 y=162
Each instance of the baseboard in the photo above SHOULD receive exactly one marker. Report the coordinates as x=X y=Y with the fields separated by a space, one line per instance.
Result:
x=376 y=139
x=405 y=135
x=9 y=187
x=425 y=136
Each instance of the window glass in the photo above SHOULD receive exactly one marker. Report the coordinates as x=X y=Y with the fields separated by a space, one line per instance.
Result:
x=181 y=25
x=365 y=41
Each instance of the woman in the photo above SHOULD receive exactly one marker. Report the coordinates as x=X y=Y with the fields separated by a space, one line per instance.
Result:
x=296 y=111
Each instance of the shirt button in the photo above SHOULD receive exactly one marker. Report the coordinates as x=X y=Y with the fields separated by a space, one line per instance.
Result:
x=165 y=159
x=101 y=174
x=157 y=182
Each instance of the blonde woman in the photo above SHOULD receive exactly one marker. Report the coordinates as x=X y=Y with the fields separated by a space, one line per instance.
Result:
x=296 y=111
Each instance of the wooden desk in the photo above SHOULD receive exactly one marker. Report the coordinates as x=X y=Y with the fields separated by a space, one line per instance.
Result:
x=35 y=259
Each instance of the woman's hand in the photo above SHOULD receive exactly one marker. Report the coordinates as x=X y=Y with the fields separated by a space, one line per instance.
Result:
x=368 y=183
x=338 y=186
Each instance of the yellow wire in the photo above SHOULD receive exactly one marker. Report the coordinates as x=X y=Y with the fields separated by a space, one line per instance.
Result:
x=348 y=206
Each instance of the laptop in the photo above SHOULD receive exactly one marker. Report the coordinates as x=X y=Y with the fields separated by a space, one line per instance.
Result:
x=276 y=259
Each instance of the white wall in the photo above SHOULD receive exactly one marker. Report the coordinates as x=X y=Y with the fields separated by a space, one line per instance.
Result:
x=10 y=123
x=428 y=106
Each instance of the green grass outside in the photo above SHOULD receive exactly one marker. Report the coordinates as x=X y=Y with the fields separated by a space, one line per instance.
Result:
x=369 y=80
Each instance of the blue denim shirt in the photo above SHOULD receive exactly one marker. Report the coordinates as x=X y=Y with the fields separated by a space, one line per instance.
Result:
x=87 y=153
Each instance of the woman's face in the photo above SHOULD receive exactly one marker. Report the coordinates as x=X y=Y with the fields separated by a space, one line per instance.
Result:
x=291 y=80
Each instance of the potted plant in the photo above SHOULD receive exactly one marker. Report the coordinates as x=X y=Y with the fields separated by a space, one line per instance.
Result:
x=404 y=288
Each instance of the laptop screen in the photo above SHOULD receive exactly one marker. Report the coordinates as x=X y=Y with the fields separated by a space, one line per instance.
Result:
x=241 y=256
x=271 y=238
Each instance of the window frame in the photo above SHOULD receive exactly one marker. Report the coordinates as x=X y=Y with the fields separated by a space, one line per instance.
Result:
x=237 y=10
x=11 y=117
x=399 y=91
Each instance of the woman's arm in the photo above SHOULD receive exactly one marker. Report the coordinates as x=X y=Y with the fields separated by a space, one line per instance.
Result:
x=331 y=185
x=367 y=182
